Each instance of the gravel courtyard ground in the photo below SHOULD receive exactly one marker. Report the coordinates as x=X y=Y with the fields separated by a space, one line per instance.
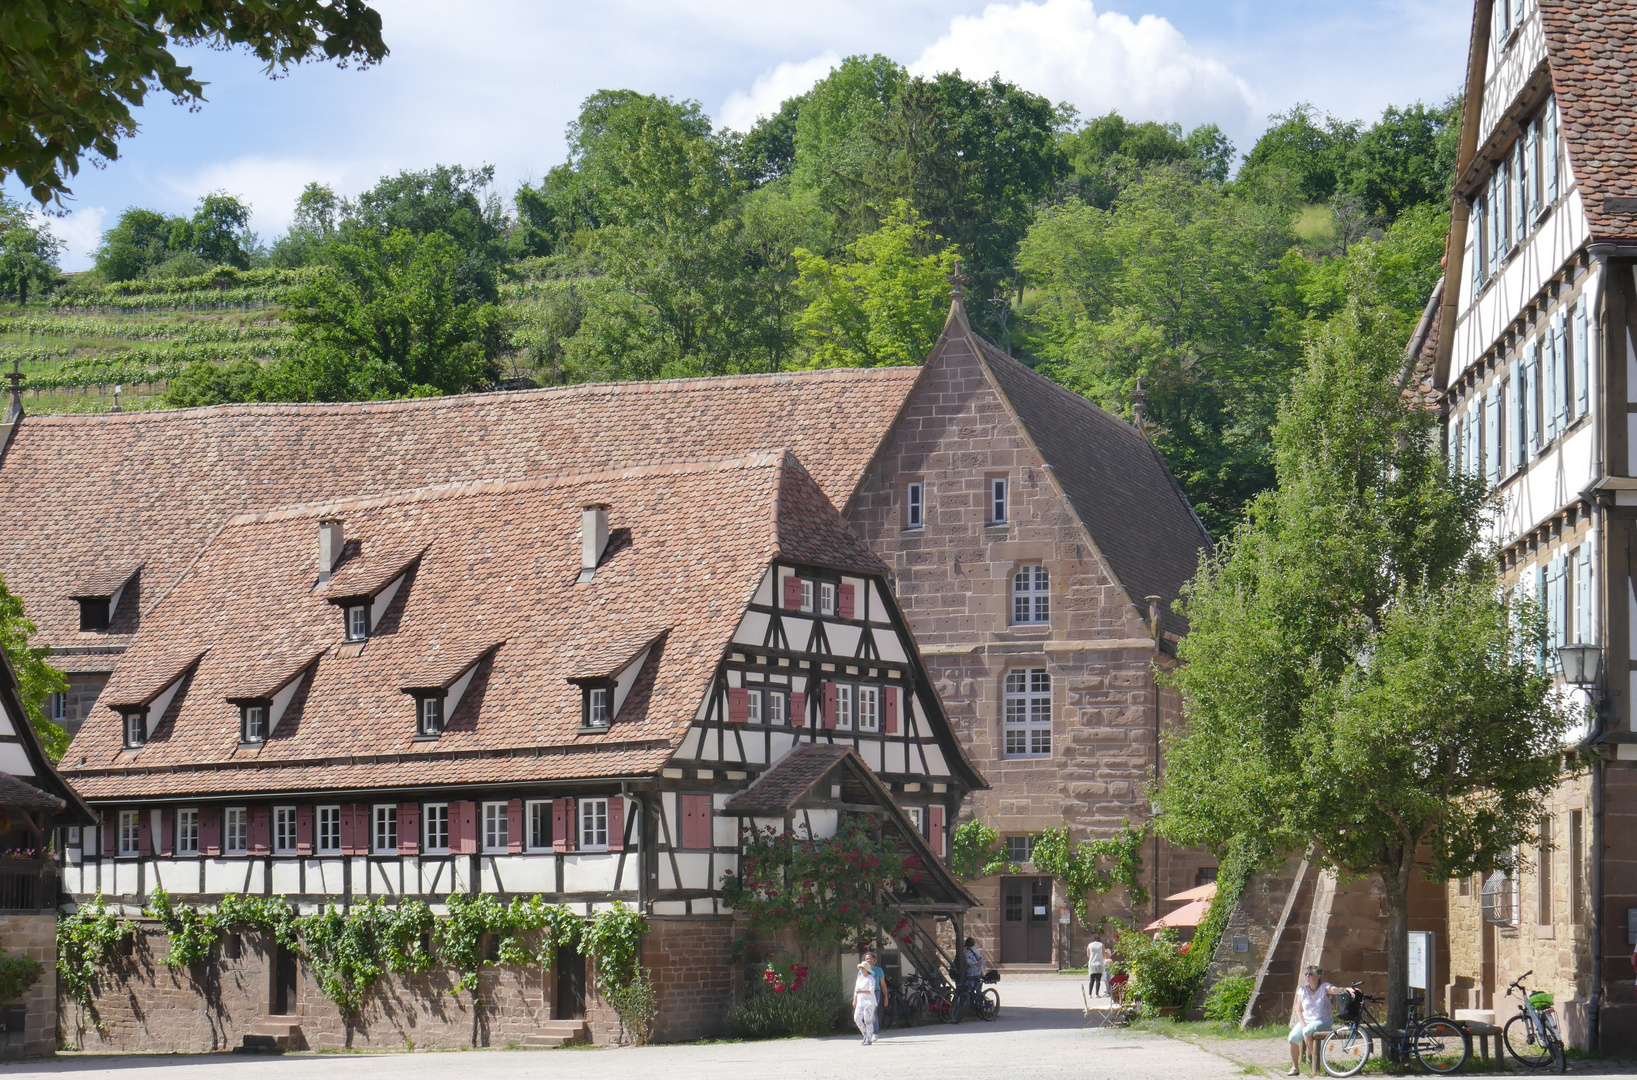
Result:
x=1041 y=1035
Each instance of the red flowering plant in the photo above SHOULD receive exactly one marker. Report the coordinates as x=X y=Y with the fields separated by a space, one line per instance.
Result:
x=776 y=980
x=830 y=892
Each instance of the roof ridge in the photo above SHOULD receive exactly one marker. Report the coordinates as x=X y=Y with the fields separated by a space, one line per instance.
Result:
x=992 y=354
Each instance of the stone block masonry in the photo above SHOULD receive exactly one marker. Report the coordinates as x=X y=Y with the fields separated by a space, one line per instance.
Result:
x=33 y=936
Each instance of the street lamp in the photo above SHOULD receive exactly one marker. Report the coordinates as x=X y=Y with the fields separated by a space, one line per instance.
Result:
x=1582 y=664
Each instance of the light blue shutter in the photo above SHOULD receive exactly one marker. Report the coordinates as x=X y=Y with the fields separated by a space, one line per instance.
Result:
x=1548 y=386
x=1542 y=603
x=1512 y=456
x=1492 y=435
x=1520 y=413
x=1550 y=150
x=1531 y=397
x=1479 y=223
x=1560 y=597
x=1520 y=199
x=1531 y=158
x=1560 y=364
x=1491 y=233
x=1583 y=592
x=1582 y=360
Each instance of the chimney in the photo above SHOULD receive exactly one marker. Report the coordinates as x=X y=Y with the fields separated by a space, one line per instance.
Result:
x=593 y=538
x=1154 y=616
x=329 y=548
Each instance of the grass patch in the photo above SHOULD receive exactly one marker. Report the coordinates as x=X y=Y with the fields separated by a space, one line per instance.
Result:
x=1208 y=1029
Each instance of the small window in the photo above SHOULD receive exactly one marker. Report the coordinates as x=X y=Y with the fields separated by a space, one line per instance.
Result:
x=284 y=830
x=776 y=706
x=357 y=622
x=917 y=818
x=868 y=708
x=235 y=830
x=329 y=829
x=596 y=706
x=806 y=594
x=593 y=824
x=136 y=728
x=496 y=827
x=431 y=717
x=253 y=723
x=844 y=705
x=997 y=500
x=1019 y=849
x=1031 y=595
x=130 y=833
x=540 y=826
x=187 y=832
x=753 y=706
x=1028 y=713
x=93 y=615
x=827 y=598
x=57 y=707
x=915 y=506
x=436 y=830
x=386 y=829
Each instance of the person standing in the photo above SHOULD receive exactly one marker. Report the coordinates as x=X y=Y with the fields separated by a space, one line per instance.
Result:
x=974 y=963
x=1096 y=964
x=864 y=998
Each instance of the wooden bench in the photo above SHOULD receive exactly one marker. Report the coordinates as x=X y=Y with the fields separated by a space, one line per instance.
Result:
x=1484 y=1035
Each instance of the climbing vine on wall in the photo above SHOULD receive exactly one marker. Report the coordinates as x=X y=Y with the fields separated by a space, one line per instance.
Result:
x=976 y=853
x=1094 y=867
x=86 y=941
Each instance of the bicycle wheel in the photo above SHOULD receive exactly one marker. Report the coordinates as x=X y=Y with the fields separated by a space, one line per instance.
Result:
x=1524 y=1043
x=988 y=1004
x=1554 y=1041
x=957 y=1007
x=1441 y=1046
x=1346 y=1050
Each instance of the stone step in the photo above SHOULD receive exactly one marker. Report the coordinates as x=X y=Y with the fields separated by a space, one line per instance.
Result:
x=271 y=1035
x=554 y=1033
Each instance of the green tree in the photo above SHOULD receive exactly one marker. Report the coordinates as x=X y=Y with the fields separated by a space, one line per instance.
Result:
x=1355 y=684
x=1302 y=155
x=886 y=305
x=220 y=231
x=28 y=253
x=447 y=199
x=36 y=679
x=1405 y=159
x=140 y=239
x=316 y=222
x=835 y=136
x=768 y=150
x=71 y=70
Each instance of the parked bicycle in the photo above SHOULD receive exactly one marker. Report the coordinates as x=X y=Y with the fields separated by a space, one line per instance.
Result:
x=1532 y=1037
x=972 y=997
x=1436 y=1042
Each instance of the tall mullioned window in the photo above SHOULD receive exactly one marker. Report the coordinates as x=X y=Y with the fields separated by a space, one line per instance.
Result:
x=1031 y=595
x=1028 y=711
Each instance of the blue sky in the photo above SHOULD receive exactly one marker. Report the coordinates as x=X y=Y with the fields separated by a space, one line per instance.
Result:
x=496 y=81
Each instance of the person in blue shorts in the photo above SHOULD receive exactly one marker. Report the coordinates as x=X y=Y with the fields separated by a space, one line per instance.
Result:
x=1313 y=1018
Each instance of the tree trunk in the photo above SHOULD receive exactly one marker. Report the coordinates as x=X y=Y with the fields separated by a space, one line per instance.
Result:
x=1398 y=940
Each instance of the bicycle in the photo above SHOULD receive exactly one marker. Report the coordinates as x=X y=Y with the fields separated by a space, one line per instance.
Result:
x=1532 y=1037
x=1436 y=1042
x=969 y=997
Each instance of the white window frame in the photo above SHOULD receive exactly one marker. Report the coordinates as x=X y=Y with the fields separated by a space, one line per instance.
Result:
x=1031 y=595
x=530 y=809
x=997 y=500
x=844 y=706
x=136 y=729
x=807 y=594
x=1027 y=844
x=435 y=828
x=57 y=707
x=358 y=622
x=776 y=707
x=496 y=828
x=235 y=831
x=383 y=827
x=327 y=830
x=596 y=706
x=868 y=705
x=1027 y=713
x=753 y=705
x=429 y=718
x=827 y=598
x=917 y=818
x=187 y=831
x=130 y=834
x=251 y=736
x=915 y=512
x=284 y=830
x=592 y=821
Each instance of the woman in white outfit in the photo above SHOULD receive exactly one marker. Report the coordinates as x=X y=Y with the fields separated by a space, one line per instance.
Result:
x=864 y=989
x=1096 y=964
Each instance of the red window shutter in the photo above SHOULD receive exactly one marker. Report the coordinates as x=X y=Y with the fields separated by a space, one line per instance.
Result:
x=304 y=830
x=829 y=708
x=409 y=828
x=210 y=831
x=696 y=821
x=349 y=841
x=110 y=832
x=738 y=705
x=616 y=823
x=514 y=825
x=687 y=808
x=844 y=601
x=144 y=833
x=167 y=833
x=258 y=830
x=935 y=829
x=792 y=592
x=889 y=709
x=571 y=816
x=798 y=710
x=463 y=822
x=560 y=811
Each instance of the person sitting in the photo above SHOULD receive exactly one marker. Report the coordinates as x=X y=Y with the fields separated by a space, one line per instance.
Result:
x=1313 y=1018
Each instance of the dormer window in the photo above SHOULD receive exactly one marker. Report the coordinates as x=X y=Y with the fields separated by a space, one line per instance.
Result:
x=253 y=723
x=136 y=728
x=93 y=615
x=595 y=707
x=357 y=622
x=431 y=717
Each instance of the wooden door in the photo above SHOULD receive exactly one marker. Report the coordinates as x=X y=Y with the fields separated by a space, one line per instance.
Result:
x=284 y=981
x=1026 y=920
x=570 y=985
x=1040 y=921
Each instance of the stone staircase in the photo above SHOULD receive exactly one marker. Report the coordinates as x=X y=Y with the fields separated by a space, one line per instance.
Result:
x=555 y=1033
x=272 y=1035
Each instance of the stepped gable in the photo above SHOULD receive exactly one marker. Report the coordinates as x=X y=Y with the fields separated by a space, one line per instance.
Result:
x=91 y=495
x=1116 y=481
x=495 y=585
x=1592 y=50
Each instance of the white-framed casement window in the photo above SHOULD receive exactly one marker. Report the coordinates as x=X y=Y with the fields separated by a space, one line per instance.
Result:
x=915 y=505
x=827 y=598
x=435 y=828
x=130 y=833
x=385 y=833
x=869 y=708
x=539 y=823
x=917 y=818
x=1020 y=849
x=57 y=708
x=806 y=594
x=430 y=713
x=753 y=706
x=253 y=723
x=235 y=831
x=357 y=622
x=997 y=500
x=284 y=830
x=766 y=705
x=329 y=829
x=593 y=825
x=496 y=827
x=136 y=728
x=187 y=832
x=1031 y=595
x=844 y=705
x=596 y=706
x=1028 y=713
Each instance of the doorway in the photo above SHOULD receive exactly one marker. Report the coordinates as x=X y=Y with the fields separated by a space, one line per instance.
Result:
x=570 y=985
x=1026 y=920
x=284 y=981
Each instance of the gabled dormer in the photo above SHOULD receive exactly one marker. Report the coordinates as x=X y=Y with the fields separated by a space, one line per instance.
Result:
x=263 y=695
x=360 y=580
x=605 y=675
x=441 y=683
x=143 y=699
x=99 y=595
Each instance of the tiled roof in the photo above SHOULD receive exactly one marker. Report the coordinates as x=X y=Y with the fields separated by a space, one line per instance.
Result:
x=500 y=565
x=103 y=580
x=163 y=665
x=780 y=788
x=365 y=573
x=1592 y=52
x=25 y=796
x=268 y=675
x=86 y=492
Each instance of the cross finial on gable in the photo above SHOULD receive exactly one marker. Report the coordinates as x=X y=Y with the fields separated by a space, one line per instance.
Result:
x=958 y=282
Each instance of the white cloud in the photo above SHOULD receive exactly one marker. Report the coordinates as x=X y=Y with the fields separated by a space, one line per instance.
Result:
x=80 y=230
x=270 y=185
x=771 y=89
x=1068 y=51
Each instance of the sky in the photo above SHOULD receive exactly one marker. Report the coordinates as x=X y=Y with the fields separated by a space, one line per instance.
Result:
x=497 y=81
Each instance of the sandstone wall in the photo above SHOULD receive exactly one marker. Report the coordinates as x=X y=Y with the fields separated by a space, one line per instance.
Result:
x=34 y=936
